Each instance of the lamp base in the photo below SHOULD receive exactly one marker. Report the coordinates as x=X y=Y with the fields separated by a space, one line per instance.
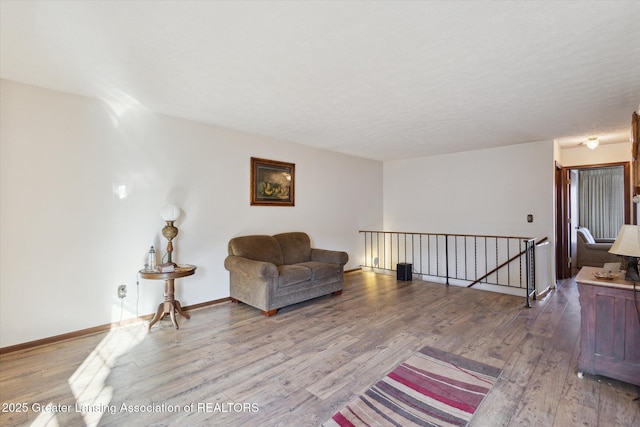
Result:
x=632 y=270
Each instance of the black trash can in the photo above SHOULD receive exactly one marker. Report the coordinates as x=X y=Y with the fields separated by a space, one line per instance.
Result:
x=404 y=271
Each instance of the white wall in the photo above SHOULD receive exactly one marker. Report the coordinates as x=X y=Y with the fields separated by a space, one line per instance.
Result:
x=68 y=241
x=478 y=192
x=605 y=153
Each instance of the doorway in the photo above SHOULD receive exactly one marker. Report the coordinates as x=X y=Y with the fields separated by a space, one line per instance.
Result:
x=568 y=211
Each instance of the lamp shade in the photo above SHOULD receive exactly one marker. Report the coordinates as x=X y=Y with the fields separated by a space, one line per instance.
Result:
x=170 y=213
x=628 y=241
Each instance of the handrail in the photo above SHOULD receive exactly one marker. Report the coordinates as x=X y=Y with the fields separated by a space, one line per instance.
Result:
x=469 y=258
x=450 y=234
x=513 y=258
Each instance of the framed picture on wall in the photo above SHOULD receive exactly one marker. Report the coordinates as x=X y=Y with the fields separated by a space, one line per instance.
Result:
x=272 y=183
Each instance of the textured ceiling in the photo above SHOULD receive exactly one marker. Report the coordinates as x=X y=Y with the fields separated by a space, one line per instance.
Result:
x=381 y=80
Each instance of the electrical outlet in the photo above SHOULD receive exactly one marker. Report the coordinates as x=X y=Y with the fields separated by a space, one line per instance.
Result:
x=122 y=291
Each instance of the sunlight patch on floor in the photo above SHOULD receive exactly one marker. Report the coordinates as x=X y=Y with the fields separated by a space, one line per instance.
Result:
x=88 y=382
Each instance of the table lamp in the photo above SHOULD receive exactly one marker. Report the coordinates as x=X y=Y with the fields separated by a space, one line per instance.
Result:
x=628 y=244
x=170 y=213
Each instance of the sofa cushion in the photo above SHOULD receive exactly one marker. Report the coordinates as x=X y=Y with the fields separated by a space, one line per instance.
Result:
x=321 y=270
x=292 y=274
x=257 y=248
x=296 y=247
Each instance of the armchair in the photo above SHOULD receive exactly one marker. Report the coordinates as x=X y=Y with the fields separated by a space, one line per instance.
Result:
x=594 y=252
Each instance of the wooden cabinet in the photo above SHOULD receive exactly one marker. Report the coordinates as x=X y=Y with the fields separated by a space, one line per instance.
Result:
x=610 y=329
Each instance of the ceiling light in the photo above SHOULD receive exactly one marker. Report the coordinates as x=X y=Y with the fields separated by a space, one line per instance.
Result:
x=592 y=143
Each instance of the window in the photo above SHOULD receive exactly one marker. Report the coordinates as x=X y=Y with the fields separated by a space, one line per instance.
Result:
x=601 y=200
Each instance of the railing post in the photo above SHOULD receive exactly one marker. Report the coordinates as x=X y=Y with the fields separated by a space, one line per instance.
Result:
x=533 y=270
x=530 y=261
x=527 y=274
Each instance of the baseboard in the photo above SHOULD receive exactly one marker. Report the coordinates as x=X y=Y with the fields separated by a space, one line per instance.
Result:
x=98 y=329
x=207 y=303
x=543 y=293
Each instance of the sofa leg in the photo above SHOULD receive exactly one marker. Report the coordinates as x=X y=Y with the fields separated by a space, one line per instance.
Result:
x=270 y=312
x=337 y=292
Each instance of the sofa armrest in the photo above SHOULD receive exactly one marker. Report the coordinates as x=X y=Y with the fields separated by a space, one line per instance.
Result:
x=250 y=267
x=598 y=246
x=328 y=256
x=605 y=240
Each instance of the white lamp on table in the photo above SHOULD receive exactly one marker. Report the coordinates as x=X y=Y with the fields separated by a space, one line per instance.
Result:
x=628 y=244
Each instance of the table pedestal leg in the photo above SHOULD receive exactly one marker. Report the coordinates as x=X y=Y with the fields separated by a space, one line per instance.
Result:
x=169 y=306
x=179 y=309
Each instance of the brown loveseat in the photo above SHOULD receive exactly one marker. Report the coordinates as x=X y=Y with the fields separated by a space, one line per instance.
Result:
x=271 y=272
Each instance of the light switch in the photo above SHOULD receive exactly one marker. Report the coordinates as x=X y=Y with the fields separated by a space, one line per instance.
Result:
x=529 y=218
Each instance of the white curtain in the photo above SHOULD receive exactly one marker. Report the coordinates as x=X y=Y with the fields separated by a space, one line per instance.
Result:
x=601 y=200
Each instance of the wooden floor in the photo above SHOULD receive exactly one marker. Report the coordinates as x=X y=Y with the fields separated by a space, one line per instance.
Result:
x=229 y=365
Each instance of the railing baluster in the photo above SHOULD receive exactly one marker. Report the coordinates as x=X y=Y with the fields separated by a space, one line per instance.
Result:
x=497 y=276
x=520 y=263
x=486 y=258
x=420 y=245
x=413 y=247
x=466 y=268
x=436 y=243
x=384 y=248
x=508 y=265
x=475 y=256
x=446 y=255
x=455 y=258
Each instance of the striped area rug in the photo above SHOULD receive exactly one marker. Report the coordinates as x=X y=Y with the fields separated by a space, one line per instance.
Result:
x=432 y=388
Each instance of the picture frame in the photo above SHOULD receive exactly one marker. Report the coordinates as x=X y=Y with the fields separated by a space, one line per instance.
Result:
x=272 y=183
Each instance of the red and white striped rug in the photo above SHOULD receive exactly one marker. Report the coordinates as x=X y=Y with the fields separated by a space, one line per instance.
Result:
x=431 y=388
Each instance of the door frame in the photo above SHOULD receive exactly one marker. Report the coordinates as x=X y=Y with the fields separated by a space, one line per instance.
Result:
x=563 y=230
x=563 y=244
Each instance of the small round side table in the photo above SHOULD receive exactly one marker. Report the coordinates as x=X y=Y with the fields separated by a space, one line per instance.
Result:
x=170 y=305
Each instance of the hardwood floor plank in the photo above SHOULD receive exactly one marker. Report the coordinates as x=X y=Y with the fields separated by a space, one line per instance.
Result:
x=618 y=404
x=299 y=367
x=371 y=364
x=544 y=390
x=501 y=404
x=578 y=404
